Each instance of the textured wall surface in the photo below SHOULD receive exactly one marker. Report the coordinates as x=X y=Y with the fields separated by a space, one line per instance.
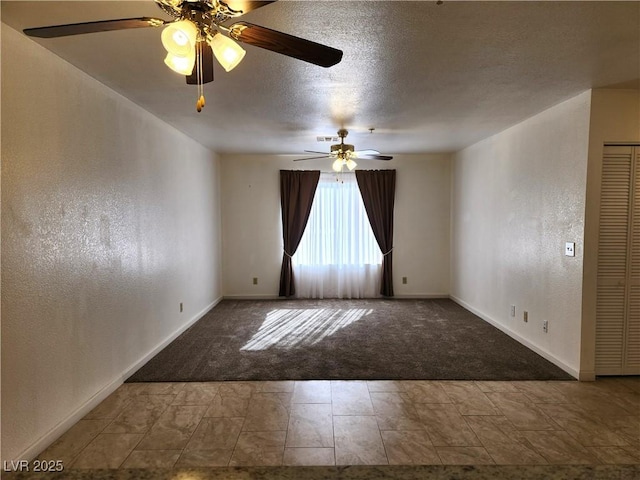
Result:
x=252 y=235
x=110 y=219
x=517 y=198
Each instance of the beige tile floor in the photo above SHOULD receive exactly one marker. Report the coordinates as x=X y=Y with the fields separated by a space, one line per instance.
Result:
x=165 y=425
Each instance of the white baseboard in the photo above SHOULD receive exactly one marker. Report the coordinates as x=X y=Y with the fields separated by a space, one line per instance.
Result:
x=276 y=297
x=52 y=435
x=418 y=296
x=543 y=353
x=255 y=297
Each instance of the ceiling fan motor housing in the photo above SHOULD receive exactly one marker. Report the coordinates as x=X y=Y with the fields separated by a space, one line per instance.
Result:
x=344 y=147
x=206 y=14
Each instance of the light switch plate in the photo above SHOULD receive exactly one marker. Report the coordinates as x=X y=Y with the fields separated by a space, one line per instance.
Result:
x=570 y=249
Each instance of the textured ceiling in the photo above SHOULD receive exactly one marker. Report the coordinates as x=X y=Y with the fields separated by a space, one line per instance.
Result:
x=429 y=78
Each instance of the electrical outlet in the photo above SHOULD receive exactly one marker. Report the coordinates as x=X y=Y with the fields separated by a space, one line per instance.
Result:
x=404 y=280
x=255 y=280
x=513 y=310
x=180 y=307
x=545 y=326
x=525 y=316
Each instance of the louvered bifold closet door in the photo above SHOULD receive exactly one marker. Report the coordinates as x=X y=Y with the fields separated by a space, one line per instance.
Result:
x=618 y=298
x=632 y=352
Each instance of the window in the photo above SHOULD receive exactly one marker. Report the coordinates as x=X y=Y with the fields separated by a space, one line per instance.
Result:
x=338 y=255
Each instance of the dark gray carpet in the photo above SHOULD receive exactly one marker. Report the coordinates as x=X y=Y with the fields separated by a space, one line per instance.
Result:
x=347 y=340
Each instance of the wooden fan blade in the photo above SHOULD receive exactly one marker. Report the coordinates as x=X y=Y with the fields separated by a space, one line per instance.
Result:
x=311 y=158
x=93 y=27
x=315 y=151
x=375 y=157
x=286 y=44
x=245 y=6
x=207 y=66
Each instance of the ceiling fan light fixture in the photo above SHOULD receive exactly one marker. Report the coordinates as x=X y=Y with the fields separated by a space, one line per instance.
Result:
x=337 y=165
x=351 y=164
x=227 y=52
x=179 y=38
x=181 y=64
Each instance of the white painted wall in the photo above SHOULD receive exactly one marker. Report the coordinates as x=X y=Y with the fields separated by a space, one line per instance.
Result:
x=110 y=218
x=252 y=235
x=615 y=117
x=517 y=197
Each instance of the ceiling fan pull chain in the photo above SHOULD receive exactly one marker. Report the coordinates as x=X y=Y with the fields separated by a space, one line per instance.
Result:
x=200 y=103
x=198 y=76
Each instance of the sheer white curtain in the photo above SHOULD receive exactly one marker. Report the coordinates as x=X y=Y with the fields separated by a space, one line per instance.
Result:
x=338 y=256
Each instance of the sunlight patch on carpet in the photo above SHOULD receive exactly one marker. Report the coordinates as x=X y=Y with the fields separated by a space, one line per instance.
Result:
x=288 y=328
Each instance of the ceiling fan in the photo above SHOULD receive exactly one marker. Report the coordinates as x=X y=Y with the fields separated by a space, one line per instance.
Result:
x=345 y=154
x=194 y=36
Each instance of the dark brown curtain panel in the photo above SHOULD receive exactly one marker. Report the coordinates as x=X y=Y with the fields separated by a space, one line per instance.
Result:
x=378 y=190
x=297 y=189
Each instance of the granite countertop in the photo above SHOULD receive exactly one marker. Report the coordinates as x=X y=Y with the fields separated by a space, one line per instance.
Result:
x=451 y=472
